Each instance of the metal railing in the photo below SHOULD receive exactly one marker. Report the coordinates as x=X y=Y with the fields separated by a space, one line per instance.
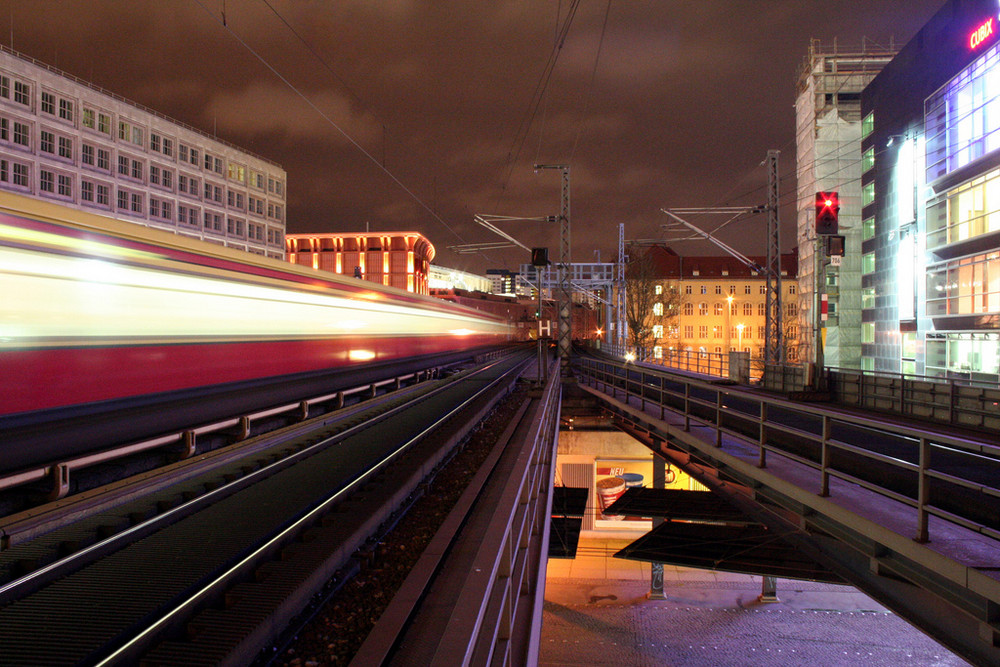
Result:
x=817 y=438
x=954 y=401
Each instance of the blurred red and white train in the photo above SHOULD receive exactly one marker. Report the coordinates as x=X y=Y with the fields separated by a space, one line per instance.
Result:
x=93 y=309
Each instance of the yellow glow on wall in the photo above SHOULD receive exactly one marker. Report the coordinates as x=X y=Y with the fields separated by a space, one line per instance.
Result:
x=340 y=262
x=315 y=260
x=409 y=262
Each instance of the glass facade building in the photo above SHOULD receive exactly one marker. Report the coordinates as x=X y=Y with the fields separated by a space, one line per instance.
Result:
x=931 y=201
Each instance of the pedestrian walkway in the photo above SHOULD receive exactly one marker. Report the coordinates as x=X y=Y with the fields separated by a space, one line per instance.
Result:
x=598 y=612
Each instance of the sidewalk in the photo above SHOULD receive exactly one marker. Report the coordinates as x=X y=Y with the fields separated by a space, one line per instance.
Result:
x=597 y=612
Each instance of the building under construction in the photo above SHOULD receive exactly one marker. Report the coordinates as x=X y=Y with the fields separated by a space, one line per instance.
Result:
x=829 y=159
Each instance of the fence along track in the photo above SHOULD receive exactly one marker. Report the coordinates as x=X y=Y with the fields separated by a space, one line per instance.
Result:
x=151 y=588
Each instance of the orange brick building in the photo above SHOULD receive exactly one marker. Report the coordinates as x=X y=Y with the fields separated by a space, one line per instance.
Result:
x=397 y=259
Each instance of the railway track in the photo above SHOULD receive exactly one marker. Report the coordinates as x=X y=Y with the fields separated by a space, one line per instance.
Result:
x=209 y=569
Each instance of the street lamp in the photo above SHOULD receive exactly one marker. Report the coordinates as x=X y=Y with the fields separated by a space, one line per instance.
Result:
x=729 y=331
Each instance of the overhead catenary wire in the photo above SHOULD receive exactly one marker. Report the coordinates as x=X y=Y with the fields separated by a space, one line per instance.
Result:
x=305 y=98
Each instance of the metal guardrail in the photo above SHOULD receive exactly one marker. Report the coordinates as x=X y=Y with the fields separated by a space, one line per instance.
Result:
x=185 y=442
x=956 y=402
x=502 y=622
x=706 y=403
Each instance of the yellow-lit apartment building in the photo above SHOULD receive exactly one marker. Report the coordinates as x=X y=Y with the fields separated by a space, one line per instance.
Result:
x=719 y=304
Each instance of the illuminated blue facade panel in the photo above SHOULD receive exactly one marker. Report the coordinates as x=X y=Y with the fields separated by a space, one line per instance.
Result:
x=934 y=257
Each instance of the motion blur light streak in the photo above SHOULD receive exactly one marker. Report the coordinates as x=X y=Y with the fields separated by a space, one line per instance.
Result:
x=180 y=314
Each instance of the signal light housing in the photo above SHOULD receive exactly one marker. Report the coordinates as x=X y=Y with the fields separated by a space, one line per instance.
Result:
x=827 y=213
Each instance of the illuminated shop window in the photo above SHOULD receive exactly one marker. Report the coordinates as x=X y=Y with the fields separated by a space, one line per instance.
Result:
x=962 y=120
x=967 y=286
x=970 y=355
x=968 y=211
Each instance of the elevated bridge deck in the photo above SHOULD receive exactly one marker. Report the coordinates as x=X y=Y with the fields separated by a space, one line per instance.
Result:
x=907 y=512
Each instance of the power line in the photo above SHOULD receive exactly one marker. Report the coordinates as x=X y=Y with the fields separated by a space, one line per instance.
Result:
x=333 y=124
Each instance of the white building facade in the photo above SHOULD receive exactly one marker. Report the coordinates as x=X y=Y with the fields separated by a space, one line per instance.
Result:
x=828 y=159
x=67 y=141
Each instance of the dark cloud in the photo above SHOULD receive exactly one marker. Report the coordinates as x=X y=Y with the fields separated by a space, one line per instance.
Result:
x=683 y=105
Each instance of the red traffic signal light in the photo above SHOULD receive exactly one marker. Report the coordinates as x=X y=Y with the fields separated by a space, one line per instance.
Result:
x=827 y=211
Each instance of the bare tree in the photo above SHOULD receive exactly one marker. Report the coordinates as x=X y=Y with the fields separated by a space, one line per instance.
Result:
x=640 y=286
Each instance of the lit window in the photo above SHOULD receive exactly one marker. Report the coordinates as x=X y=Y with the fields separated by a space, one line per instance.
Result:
x=868 y=159
x=868 y=229
x=867 y=193
x=868 y=263
x=868 y=125
x=658 y=309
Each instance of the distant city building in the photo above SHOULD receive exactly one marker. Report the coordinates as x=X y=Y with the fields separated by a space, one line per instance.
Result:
x=443 y=278
x=503 y=281
x=67 y=141
x=396 y=259
x=828 y=159
x=930 y=199
x=716 y=304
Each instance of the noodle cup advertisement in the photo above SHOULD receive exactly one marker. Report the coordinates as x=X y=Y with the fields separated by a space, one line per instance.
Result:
x=613 y=478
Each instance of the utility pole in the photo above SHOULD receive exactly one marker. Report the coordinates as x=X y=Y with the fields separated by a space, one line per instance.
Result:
x=773 y=331
x=774 y=349
x=565 y=290
x=621 y=327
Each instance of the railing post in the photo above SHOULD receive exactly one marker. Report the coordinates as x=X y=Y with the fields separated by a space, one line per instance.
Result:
x=824 y=461
x=718 y=419
x=687 y=406
x=762 y=437
x=663 y=406
x=923 y=492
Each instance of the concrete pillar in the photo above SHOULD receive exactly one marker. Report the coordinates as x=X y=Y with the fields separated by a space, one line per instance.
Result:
x=659 y=482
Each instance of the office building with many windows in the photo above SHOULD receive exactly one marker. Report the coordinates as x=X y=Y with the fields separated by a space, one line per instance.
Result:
x=930 y=193
x=67 y=141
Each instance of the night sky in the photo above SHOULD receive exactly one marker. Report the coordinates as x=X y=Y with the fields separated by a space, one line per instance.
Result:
x=409 y=115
